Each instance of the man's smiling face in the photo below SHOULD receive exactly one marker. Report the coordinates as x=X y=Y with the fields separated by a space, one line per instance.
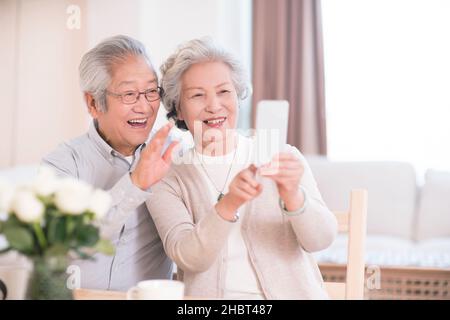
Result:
x=125 y=126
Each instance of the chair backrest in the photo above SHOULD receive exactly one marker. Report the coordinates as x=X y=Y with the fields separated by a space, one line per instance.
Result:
x=353 y=222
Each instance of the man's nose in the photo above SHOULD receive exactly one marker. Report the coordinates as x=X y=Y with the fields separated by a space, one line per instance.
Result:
x=142 y=105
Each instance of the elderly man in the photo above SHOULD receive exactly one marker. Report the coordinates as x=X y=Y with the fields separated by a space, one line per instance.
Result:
x=121 y=91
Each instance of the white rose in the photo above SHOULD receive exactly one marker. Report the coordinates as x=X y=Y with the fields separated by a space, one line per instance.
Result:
x=6 y=196
x=27 y=207
x=73 y=196
x=100 y=203
x=46 y=182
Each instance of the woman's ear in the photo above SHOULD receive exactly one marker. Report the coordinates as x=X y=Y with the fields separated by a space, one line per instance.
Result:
x=92 y=105
x=178 y=112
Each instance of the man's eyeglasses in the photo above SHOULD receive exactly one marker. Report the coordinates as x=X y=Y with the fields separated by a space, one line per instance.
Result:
x=131 y=97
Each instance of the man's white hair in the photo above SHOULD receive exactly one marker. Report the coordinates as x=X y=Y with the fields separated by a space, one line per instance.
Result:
x=97 y=64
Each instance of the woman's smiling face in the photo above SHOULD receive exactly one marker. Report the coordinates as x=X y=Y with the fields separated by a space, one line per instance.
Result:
x=208 y=101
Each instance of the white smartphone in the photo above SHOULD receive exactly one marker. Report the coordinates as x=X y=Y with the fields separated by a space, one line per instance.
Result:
x=272 y=118
x=273 y=115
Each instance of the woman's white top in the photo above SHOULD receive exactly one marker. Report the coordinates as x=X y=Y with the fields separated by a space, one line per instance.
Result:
x=241 y=281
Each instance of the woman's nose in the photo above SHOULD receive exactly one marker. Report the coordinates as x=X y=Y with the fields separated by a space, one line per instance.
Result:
x=213 y=103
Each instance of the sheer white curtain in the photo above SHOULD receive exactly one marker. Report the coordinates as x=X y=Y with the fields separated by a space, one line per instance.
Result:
x=387 y=71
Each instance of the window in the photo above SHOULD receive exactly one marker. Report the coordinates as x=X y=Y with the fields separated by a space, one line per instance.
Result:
x=387 y=74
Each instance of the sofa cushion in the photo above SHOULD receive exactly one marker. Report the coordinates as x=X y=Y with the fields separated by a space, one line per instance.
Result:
x=438 y=250
x=433 y=219
x=392 y=251
x=391 y=191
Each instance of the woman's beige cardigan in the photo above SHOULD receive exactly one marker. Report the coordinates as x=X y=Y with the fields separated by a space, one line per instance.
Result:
x=279 y=246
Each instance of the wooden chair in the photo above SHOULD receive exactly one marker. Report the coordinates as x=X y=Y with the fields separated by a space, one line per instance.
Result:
x=353 y=222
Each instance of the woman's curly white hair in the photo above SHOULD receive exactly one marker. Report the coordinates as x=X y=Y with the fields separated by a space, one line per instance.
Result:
x=190 y=53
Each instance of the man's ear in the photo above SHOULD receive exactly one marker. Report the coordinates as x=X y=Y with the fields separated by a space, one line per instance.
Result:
x=92 y=105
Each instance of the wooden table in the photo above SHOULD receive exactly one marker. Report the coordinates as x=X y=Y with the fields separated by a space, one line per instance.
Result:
x=89 y=294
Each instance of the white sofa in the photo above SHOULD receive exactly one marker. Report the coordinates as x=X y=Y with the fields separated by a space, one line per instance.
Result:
x=407 y=225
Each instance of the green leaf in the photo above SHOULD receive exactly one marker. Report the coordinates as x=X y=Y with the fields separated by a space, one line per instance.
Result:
x=20 y=238
x=105 y=246
x=51 y=211
x=47 y=201
x=87 y=236
x=88 y=216
x=12 y=222
x=57 y=250
x=56 y=230
x=71 y=224
x=84 y=254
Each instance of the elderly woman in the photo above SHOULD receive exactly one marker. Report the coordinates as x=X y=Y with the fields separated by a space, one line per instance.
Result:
x=235 y=230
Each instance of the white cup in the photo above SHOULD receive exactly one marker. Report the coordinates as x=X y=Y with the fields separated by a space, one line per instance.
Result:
x=157 y=290
x=13 y=282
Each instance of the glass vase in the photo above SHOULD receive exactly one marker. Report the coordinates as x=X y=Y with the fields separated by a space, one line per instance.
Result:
x=49 y=279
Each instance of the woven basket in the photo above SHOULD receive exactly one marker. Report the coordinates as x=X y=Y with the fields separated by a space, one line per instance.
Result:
x=397 y=282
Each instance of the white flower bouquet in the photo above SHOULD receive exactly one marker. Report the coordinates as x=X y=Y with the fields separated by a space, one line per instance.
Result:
x=54 y=216
x=51 y=220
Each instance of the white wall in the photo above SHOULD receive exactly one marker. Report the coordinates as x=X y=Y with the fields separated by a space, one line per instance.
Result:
x=49 y=104
x=107 y=18
x=41 y=105
x=8 y=16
